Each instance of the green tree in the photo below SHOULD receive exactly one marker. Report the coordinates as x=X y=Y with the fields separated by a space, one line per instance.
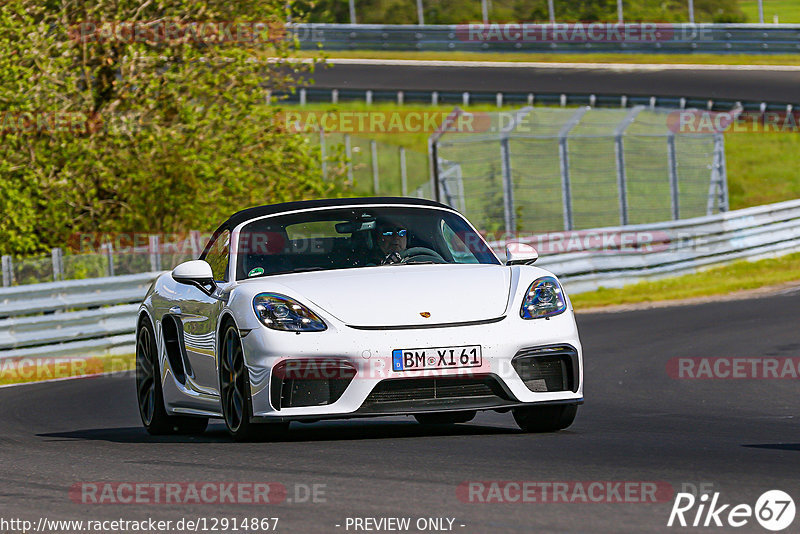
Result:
x=169 y=131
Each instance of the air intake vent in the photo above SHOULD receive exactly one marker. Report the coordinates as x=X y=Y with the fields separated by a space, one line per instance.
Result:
x=297 y=383
x=174 y=347
x=548 y=369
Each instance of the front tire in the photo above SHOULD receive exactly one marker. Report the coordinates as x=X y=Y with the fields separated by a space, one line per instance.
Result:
x=545 y=418
x=149 y=394
x=237 y=406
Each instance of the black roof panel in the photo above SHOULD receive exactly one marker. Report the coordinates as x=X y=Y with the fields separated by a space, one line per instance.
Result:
x=273 y=209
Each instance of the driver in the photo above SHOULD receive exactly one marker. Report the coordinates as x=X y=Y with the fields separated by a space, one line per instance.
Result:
x=392 y=240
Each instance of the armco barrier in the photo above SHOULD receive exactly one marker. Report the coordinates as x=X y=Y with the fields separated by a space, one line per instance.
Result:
x=465 y=98
x=81 y=317
x=669 y=249
x=667 y=38
x=71 y=318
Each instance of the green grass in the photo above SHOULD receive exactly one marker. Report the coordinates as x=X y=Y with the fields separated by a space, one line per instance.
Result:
x=31 y=369
x=737 y=276
x=788 y=11
x=593 y=57
x=762 y=168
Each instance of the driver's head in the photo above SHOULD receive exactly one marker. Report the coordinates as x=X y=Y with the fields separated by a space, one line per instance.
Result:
x=391 y=237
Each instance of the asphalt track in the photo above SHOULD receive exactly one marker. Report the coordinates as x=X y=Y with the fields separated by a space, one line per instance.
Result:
x=756 y=84
x=638 y=424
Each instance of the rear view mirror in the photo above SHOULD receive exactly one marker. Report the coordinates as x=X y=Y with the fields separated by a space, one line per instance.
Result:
x=520 y=254
x=196 y=273
x=352 y=227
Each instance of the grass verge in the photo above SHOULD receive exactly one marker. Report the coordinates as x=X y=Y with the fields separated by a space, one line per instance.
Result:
x=39 y=369
x=738 y=276
x=762 y=168
x=566 y=57
x=787 y=11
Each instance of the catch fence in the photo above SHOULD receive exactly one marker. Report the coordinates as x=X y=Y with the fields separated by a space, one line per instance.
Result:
x=542 y=169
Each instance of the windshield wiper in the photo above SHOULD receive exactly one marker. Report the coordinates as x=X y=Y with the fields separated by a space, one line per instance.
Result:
x=298 y=270
x=427 y=262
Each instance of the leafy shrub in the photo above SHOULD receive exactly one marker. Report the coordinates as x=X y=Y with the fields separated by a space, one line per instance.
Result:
x=166 y=135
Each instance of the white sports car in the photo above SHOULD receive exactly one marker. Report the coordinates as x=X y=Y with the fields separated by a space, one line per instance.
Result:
x=352 y=308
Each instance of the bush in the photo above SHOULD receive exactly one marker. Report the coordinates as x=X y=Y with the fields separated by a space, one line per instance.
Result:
x=162 y=135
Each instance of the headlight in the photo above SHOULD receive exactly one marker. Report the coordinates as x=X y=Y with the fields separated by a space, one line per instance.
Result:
x=544 y=298
x=280 y=312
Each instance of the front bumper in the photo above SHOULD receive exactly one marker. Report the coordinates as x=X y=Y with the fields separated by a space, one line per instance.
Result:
x=494 y=385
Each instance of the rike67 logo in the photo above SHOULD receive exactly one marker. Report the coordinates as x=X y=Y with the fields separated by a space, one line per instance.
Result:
x=774 y=510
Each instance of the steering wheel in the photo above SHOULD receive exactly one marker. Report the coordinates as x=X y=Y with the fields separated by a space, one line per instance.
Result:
x=421 y=254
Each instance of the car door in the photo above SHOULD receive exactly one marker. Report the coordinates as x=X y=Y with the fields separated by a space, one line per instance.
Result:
x=199 y=313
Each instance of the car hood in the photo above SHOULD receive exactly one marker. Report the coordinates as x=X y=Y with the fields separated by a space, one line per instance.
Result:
x=399 y=295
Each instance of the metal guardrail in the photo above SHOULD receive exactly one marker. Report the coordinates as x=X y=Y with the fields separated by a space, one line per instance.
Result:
x=73 y=294
x=83 y=317
x=307 y=95
x=666 y=38
x=74 y=317
x=666 y=249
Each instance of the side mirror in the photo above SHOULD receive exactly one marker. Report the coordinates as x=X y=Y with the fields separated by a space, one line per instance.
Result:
x=195 y=273
x=520 y=253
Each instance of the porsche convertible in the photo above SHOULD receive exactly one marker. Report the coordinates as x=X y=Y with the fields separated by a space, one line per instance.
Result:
x=346 y=308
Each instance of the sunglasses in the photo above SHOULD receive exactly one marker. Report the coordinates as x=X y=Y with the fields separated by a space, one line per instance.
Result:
x=400 y=233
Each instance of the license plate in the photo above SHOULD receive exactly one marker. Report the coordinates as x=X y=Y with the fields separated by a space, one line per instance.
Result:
x=437 y=358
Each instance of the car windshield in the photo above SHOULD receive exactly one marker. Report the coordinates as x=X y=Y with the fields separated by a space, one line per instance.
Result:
x=346 y=238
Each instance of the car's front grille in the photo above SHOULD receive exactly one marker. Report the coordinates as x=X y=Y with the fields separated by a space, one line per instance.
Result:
x=432 y=389
x=548 y=369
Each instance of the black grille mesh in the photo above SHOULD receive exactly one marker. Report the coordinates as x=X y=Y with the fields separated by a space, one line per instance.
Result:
x=427 y=389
